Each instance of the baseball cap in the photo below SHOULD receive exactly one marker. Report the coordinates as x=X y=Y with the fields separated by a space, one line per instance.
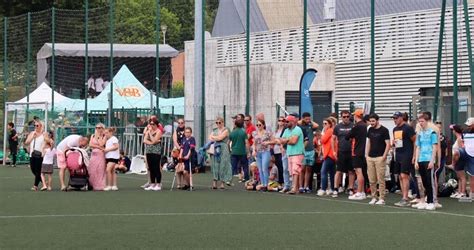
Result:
x=397 y=114
x=358 y=112
x=291 y=118
x=470 y=121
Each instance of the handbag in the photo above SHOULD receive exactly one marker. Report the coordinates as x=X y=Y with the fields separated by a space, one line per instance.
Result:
x=211 y=149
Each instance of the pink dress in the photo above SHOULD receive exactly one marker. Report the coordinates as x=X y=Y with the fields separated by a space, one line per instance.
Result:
x=97 y=168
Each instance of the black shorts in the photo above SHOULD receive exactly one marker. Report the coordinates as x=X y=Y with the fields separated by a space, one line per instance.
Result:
x=359 y=162
x=403 y=167
x=107 y=160
x=344 y=162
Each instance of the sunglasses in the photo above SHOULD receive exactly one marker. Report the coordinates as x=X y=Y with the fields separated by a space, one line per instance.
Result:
x=37 y=126
x=98 y=127
x=180 y=123
x=325 y=123
x=345 y=116
x=281 y=120
x=259 y=125
x=218 y=122
x=152 y=124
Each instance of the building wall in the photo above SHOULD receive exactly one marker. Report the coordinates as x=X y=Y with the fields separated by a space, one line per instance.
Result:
x=177 y=67
x=225 y=85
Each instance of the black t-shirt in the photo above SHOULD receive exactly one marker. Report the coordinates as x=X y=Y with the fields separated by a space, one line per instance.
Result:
x=444 y=145
x=308 y=136
x=359 y=134
x=377 y=137
x=340 y=131
x=12 y=141
x=403 y=144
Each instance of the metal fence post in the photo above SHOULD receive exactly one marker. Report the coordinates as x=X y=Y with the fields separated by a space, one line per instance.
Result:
x=111 y=61
x=28 y=68
x=247 y=59
x=157 y=62
x=86 y=61
x=372 y=56
x=454 y=118
x=438 y=64
x=53 y=55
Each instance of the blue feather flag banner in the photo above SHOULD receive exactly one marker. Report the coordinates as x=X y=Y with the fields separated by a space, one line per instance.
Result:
x=306 y=81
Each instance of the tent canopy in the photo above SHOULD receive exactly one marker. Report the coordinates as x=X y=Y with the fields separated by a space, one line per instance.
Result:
x=41 y=94
x=97 y=50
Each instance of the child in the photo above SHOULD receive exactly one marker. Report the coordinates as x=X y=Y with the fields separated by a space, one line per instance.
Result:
x=252 y=184
x=273 y=184
x=112 y=155
x=124 y=163
x=188 y=145
x=49 y=152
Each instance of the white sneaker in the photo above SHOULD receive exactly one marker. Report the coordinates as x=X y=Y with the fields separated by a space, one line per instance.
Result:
x=460 y=196
x=341 y=190
x=145 y=185
x=415 y=201
x=328 y=192
x=114 y=188
x=156 y=188
x=334 y=194
x=410 y=194
x=454 y=195
x=421 y=206
x=321 y=192
x=373 y=201
x=357 y=196
x=437 y=205
x=380 y=202
x=150 y=188
x=430 y=206
x=108 y=188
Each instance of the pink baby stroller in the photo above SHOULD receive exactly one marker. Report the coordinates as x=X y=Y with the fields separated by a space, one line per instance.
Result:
x=78 y=175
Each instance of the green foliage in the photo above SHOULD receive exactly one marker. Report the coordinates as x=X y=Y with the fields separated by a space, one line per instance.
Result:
x=177 y=89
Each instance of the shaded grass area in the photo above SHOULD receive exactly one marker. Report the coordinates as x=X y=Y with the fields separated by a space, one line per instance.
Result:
x=233 y=218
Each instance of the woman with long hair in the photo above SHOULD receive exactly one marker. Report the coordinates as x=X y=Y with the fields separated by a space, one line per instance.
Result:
x=97 y=162
x=261 y=151
x=36 y=140
x=220 y=160
x=329 y=160
x=152 y=140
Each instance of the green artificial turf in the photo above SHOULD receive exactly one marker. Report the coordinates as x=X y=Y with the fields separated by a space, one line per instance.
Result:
x=215 y=219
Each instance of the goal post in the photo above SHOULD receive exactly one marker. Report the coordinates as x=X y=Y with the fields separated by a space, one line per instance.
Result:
x=19 y=110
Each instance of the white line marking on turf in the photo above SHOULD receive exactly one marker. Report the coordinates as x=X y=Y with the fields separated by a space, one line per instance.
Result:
x=198 y=214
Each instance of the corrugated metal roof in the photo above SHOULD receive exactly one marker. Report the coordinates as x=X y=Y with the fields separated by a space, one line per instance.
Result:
x=230 y=19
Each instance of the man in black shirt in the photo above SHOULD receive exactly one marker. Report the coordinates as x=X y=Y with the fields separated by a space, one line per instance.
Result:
x=376 y=150
x=343 y=151
x=404 y=138
x=358 y=134
x=12 y=142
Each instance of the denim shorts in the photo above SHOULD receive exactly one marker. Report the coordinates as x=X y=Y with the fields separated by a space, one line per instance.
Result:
x=308 y=158
x=466 y=162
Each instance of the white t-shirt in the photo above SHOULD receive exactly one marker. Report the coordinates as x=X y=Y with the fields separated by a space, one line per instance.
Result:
x=37 y=144
x=110 y=143
x=69 y=142
x=49 y=156
x=99 y=84
x=90 y=83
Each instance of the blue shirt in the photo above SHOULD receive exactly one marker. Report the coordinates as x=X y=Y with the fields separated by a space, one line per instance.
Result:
x=425 y=139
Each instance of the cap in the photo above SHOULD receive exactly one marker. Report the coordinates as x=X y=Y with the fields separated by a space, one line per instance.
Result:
x=397 y=114
x=291 y=118
x=470 y=121
x=234 y=117
x=358 y=112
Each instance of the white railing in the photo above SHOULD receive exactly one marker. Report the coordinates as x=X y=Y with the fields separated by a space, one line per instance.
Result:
x=132 y=144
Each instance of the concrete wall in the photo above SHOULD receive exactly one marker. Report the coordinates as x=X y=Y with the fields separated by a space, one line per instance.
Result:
x=177 y=67
x=225 y=85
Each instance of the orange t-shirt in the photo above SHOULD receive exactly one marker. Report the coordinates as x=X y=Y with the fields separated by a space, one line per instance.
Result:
x=326 y=140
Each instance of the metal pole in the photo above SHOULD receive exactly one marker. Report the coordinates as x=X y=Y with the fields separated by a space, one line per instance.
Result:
x=53 y=56
x=247 y=59
x=469 y=47
x=224 y=114
x=197 y=70
x=86 y=61
x=409 y=110
x=111 y=61
x=157 y=63
x=28 y=67
x=454 y=118
x=372 y=56
x=305 y=34
x=438 y=64
x=203 y=70
x=5 y=84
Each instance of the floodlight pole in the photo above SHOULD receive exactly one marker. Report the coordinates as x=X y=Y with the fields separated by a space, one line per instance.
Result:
x=372 y=56
x=86 y=61
x=469 y=48
x=203 y=70
x=247 y=58
x=5 y=84
x=455 y=108
x=157 y=57
x=28 y=67
x=111 y=61
x=438 y=64
x=53 y=56
x=305 y=34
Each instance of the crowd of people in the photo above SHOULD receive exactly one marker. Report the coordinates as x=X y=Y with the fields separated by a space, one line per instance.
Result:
x=285 y=159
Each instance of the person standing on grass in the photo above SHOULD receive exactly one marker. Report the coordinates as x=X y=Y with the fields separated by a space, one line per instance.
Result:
x=36 y=140
x=278 y=150
x=47 y=166
x=404 y=138
x=425 y=156
x=308 y=126
x=12 y=142
x=358 y=135
x=178 y=134
x=188 y=145
x=239 y=149
x=112 y=156
x=328 y=166
x=342 y=152
x=220 y=160
x=152 y=141
x=249 y=129
x=293 y=137
x=377 y=148
x=97 y=164
x=465 y=162
x=261 y=151
x=69 y=142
